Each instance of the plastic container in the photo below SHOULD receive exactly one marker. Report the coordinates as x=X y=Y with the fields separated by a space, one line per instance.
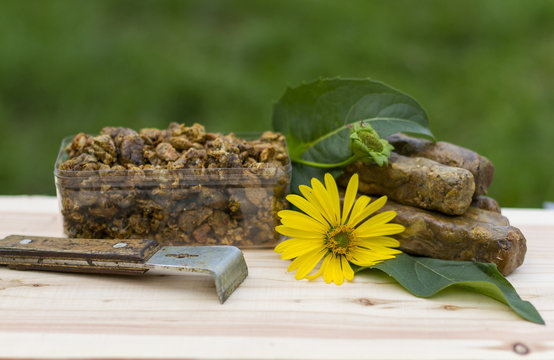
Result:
x=230 y=206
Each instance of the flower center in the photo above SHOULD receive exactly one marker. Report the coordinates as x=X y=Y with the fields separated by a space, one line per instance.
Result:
x=340 y=240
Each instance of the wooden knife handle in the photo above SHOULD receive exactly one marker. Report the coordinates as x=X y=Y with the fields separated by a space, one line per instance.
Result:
x=112 y=256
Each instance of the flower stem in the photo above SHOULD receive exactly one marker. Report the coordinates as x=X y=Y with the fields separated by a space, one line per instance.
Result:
x=350 y=160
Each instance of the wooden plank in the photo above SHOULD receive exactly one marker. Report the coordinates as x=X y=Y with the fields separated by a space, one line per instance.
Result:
x=271 y=315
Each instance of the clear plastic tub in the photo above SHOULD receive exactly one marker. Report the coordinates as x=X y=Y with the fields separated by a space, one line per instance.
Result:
x=190 y=206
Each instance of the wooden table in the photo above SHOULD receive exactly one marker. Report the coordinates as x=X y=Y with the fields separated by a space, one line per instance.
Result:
x=271 y=315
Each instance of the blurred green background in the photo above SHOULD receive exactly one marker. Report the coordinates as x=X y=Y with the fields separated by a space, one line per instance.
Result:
x=484 y=70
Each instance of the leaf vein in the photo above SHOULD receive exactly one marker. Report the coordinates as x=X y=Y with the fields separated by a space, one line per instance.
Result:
x=311 y=144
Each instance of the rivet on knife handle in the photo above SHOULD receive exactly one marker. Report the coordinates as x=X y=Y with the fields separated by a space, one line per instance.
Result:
x=124 y=256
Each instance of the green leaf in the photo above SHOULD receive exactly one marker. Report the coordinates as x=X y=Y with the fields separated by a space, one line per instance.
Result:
x=302 y=175
x=315 y=117
x=424 y=277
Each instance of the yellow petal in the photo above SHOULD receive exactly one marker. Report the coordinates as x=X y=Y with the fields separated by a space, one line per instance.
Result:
x=297 y=233
x=318 y=203
x=300 y=249
x=299 y=220
x=283 y=245
x=308 y=193
x=314 y=200
x=346 y=269
x=379 y=241
x=380 y=251
x=309 y=263
x=333 y=271
x=324 y=199
x=358 y=207
x=328 y=271
x=363 y=254
x=290 y=242
x=305 y=190
x=322 y=267
x=365 y=257
x=333 y=192
x=297 y=261
x=349 y=197
x=362 y=214
x=294 y=263
x=338 y=276
x=376 y=220
x=317 y=274
x=306 y=206
x=385 y=229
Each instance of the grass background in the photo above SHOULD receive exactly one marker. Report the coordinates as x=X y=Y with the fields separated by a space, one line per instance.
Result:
x=483 y=69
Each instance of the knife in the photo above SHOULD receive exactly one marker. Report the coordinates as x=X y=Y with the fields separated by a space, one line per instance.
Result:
x=124 y=256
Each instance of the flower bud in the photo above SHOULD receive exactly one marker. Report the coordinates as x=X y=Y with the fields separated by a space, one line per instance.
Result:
x=367 y=145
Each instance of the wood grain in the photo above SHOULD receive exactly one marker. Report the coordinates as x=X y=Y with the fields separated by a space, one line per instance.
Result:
x=107 y=256
x=133 y=250
x=271 y=315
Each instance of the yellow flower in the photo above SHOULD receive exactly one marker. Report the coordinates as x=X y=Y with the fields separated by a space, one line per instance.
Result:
x=322 y=231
